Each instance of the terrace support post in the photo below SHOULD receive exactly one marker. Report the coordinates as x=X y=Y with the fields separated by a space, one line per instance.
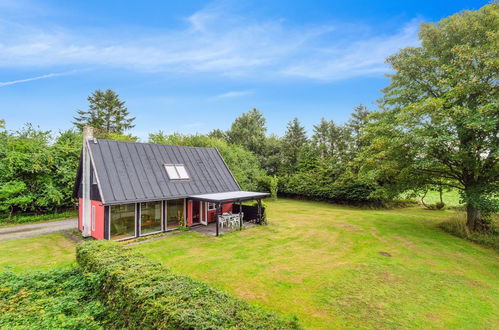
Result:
x=217 y=213
x=259 y=211
x=240 y=218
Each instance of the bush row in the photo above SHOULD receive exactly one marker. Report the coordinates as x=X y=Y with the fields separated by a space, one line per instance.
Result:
x=140 y=293
x=53 y=299
x=316 y=187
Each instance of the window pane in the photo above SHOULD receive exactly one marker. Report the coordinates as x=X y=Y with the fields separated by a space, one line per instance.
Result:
x=122 y=221
x=150 y=217
x=172 y=172
x=174 y=213
x=182 y=172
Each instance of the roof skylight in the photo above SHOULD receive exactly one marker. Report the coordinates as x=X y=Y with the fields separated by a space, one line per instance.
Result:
x=176 y=171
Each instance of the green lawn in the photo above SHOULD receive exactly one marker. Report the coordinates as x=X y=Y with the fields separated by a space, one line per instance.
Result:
x=451 y=198
x=322 y=263
x=40 y=252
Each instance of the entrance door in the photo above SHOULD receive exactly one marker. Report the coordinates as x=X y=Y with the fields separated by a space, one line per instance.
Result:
x=196 y=212
x=204 y=215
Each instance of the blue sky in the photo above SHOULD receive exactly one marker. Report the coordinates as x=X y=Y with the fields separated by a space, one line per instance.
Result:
x=191 y=66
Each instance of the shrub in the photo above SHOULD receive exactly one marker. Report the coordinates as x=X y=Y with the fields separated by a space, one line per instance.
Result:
x=25 y=218
x=456 y=226
x=439 y=205
x=323 y=188
x=274 y=186
x=144 y=294
x=54 y=299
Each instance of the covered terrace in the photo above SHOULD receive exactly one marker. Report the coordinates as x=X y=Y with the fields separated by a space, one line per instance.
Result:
x=239 y=212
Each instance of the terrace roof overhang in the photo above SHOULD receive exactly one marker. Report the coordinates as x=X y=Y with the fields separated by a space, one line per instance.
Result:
x=230 y=196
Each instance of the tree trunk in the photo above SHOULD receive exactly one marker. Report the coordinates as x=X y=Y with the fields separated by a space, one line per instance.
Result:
x=422 y=199
x=474 y=220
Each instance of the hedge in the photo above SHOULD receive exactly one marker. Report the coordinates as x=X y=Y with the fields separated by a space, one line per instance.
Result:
x=312 y=186
x=140 y=293
x=59 y=298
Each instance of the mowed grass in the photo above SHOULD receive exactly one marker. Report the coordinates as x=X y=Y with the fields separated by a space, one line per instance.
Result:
x=450 y=198
x=34 y=253
x=322 y=263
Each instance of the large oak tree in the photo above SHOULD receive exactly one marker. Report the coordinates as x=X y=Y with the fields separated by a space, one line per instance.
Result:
x=439 y=123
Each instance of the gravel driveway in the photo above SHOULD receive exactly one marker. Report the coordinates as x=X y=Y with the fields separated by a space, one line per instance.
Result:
x=37 y=229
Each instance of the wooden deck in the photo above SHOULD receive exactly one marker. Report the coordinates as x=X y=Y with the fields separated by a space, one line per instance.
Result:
x=211 y=229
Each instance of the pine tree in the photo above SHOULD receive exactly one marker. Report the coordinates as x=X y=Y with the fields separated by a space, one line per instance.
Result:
x=321 y=138
x=357 y=124
x=294 y=140
x=248 y=130
x=106 y=112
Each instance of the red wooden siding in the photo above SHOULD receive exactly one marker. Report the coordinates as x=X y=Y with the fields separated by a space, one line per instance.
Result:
x=225 y=208
x=189 y=213
x=211 y=213
x=98 y=231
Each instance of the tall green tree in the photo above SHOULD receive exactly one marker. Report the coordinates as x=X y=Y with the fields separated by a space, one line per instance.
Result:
x=248 y=131
x=37 y=170
x=357 y=124
x=440 y=118
x=106 y=112
x=271 y=160
x=331 y=140
x=294 y=140
x=321 y=138
x=218 y=134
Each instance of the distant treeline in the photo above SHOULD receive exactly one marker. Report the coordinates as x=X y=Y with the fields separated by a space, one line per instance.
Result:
x=38 y=168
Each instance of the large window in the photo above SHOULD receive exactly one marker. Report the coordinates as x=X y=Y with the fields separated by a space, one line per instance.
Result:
x=174 y=213
x=176 y=172
x=122 y=221
x=150 y=217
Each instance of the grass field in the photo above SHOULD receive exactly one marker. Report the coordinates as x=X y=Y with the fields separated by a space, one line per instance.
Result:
x=40 y=252
x=322 y=263
x=450 y=198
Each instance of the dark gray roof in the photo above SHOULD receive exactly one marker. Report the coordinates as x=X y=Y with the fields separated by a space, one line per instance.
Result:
x=134 y=172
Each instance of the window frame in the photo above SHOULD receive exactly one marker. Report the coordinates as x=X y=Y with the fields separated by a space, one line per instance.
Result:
x=135 y=223
x=165 y=220
x=211 y=206
x=139 y=220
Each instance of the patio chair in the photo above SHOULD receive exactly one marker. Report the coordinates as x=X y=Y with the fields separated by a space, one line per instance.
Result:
x=222 y=221
x=234 y=221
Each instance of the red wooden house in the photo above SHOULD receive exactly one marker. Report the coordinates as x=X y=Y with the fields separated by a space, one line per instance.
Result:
x=131 y=189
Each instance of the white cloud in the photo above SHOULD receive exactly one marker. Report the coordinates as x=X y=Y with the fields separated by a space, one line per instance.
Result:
x=45 y=76
x=233 y=94
x=214 y=41
x=359 y=58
